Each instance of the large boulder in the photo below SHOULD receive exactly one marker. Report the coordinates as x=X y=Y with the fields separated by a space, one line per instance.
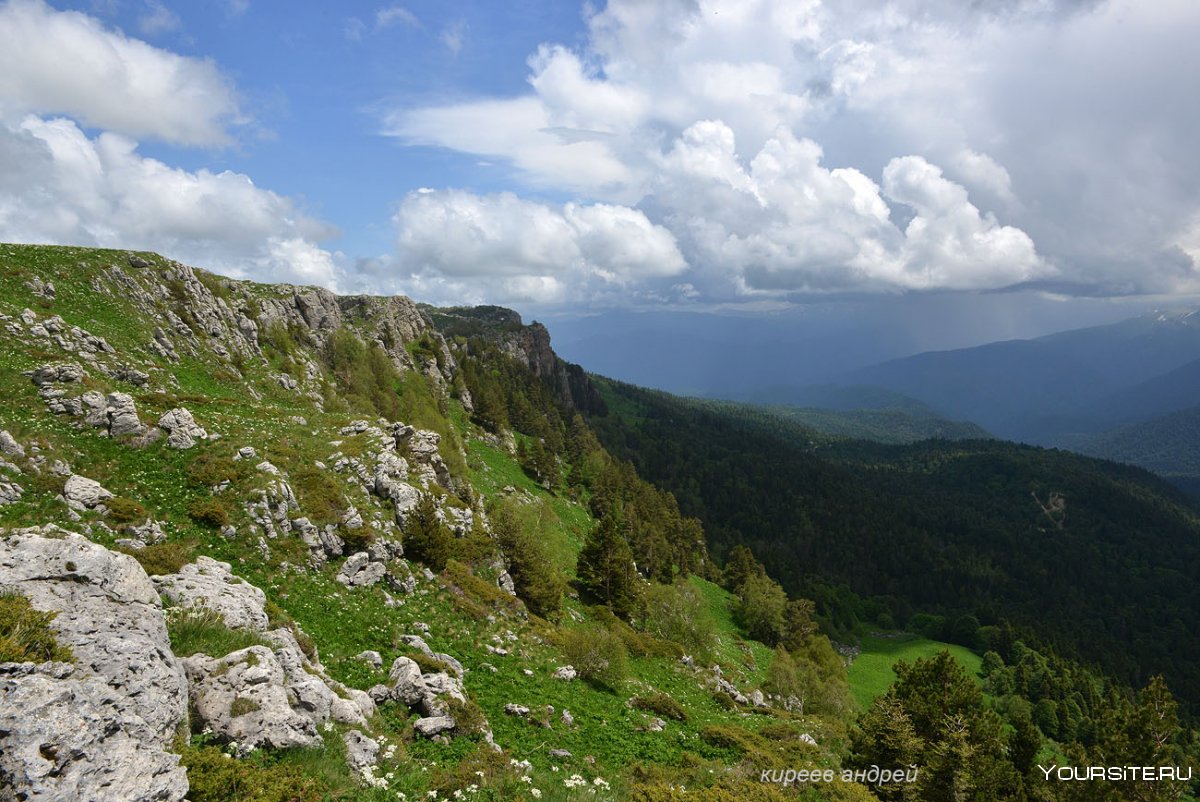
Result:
x=110 y=616
x=81 y=492
x=242 y=697
x=428 y=694
x=122 y=416
x=68 y=737
x=359 y=571
x=182 y=429
x=208 y=583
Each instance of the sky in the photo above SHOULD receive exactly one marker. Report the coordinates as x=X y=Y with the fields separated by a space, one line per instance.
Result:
x=710 y=156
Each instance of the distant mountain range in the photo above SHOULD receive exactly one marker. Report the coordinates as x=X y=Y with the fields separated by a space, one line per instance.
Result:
x=1128 y=391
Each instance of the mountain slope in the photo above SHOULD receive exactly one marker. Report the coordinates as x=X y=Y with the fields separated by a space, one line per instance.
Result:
x=1096 y=558
x=385 y=555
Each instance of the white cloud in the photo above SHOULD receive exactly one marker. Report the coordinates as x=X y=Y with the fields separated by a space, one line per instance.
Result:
x=457 y=246
x=68 y=188
x=1062 y=127
x=453 y=36
x=391 y=15
x=788 y=223
x=55 y=62
x=157 y=19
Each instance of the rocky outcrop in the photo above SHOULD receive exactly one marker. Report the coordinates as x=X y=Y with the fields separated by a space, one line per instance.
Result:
x=10 y=492
x=428 y=694
x=182 y=430
x=242 y=697
x=209 y=584
x=359 y=571
x=68 y=737
x=102 y=728
x=271 y=696
x=122 y=416
x=110 y=616
x=10 y=447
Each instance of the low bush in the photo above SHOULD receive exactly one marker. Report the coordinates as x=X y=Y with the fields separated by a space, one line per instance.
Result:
x=122 y=510
x=661 y=705
x=597 y=654
x=214 y=777
x=678 y=613
x=208 y=512
x=162 y=558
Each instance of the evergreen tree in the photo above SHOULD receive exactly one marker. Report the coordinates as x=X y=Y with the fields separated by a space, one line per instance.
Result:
x=426 y=538
x=885 y=738
x=740 y=565
x=520 y=533
x=606 y=568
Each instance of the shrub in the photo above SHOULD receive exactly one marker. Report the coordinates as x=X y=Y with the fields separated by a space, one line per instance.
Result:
x=198 y=630
x=208 y=469
x=319 y=494
x=761 y=609
x=660 y=704
x=208 y=512
x=214 y=777
x=25 y=633
x=597 y=654
x=357 y=538
x=162 y=558
x=679 y=613
x=122 y=510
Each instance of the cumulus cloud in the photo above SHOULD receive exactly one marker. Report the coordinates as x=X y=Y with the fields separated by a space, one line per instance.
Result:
x=458 y=246
x=821 y=146
x=788 y=223
x=108 y=80
x=65 y=187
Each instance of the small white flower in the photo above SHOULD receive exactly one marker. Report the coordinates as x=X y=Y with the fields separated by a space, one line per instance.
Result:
x=537 y=794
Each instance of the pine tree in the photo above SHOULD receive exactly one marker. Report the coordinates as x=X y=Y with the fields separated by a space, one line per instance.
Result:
x=606 y=568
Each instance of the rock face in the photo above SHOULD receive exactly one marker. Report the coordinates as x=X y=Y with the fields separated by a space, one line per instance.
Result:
x=104 y=729
x=209 y=583
x=109 y=614
x=64 y=737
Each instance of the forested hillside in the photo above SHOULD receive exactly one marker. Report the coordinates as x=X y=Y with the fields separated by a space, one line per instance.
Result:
x=1093 y=558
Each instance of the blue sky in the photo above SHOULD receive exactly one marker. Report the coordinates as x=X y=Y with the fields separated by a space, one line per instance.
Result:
x=694 y=155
